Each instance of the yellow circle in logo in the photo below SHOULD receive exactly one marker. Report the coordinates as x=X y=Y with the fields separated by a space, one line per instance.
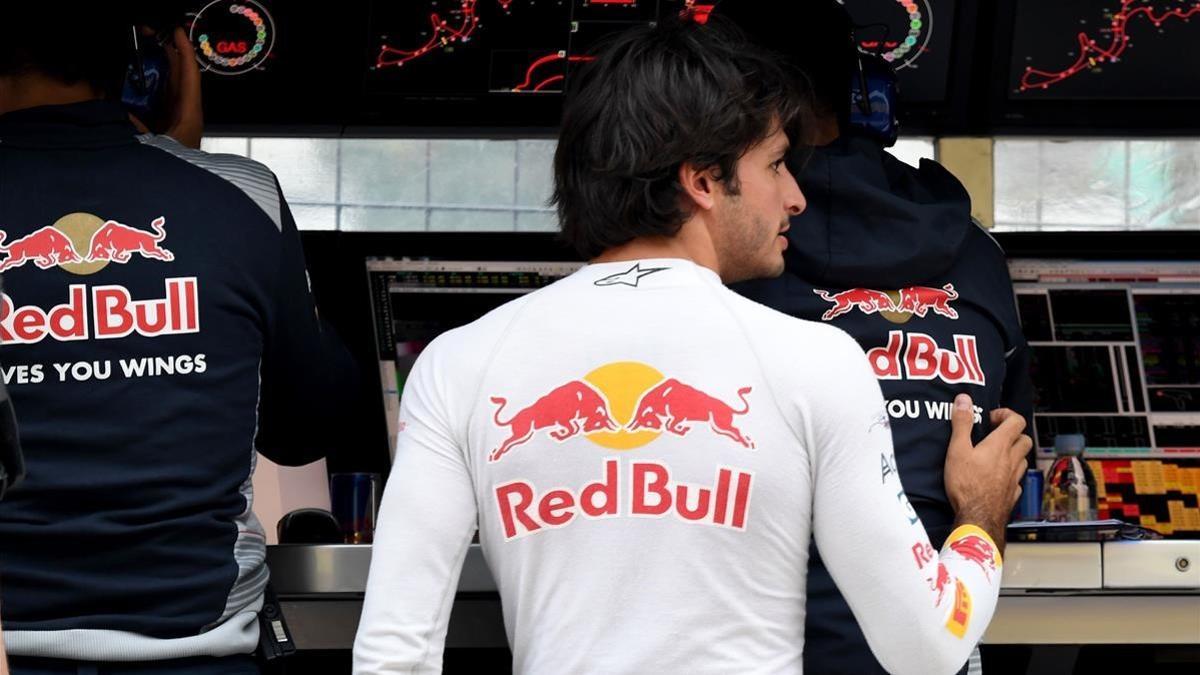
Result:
x=623 y=384
x=79 y=228
x=896 y=317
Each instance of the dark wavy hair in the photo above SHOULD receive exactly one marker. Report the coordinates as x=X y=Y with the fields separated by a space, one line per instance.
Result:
x=654 y=99
x=72 y=42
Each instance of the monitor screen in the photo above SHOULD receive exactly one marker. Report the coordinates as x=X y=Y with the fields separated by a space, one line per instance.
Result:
x=497 y=64
x=273 y=63
x=1116 y=354
x=1096 y=67
x=915 y=36
x=487 y=62
x=414 y=301
x=1116 y=357
x=1108 y=49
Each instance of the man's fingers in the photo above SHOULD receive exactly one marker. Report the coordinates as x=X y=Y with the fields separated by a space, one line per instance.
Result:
x=187 y=54
x=1022 y=445
x=1010 y=427
x=998 y=415
x=1019 y=470
x=962 y=420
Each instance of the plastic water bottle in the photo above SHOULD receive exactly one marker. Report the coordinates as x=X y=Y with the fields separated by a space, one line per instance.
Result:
x=1070 y=493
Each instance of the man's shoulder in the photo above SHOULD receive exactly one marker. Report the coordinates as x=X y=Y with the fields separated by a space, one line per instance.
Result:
x=981 y=245
x=252 y=179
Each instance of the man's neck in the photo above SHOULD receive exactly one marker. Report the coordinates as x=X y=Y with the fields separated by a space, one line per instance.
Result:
x=691 y=243
x=34 y=90
x=824 y=129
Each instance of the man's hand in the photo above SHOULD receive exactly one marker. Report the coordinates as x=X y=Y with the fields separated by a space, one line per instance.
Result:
x=983 y=481
x=186 y=114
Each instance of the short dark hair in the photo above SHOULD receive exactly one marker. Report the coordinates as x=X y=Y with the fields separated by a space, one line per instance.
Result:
x=91 y=40
x=815 y=37
x=656 y=98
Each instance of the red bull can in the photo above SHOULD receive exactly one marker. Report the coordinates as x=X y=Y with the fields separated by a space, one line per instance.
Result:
x=354 y=500
x=1029 y=506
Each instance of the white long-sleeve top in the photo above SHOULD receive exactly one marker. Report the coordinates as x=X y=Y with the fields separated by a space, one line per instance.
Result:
x=646 y=455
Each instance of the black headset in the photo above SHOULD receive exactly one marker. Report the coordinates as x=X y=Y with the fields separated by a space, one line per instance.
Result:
x=144 y=89
x=873 y=83
x=874 y=90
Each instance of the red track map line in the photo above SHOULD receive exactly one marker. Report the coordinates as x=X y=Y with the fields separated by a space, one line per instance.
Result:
x=551 y=58
x=443 y=35
x=1092 y=54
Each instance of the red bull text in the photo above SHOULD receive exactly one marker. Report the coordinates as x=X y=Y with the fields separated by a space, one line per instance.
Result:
x=111 y=313
x=920 y=358
x=646 y=490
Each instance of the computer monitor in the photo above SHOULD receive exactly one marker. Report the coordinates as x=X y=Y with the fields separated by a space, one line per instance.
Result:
x=414 y=301
x=929 y=44
x=1097 y=66
x=1115 y=351
x=285 y=65
x=486 y=63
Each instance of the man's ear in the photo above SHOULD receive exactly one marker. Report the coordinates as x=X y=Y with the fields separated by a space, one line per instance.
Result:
x=699 y=185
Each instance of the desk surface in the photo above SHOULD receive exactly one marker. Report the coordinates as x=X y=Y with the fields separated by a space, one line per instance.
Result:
x=1145 y=592
x=303 y=569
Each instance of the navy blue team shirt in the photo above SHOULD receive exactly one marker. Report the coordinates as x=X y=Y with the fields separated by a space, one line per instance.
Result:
x=158 y=328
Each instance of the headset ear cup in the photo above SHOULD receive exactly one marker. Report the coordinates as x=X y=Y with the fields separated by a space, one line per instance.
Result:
x=874 y=91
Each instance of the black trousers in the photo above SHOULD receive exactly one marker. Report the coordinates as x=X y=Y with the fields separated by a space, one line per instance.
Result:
x=199 y=665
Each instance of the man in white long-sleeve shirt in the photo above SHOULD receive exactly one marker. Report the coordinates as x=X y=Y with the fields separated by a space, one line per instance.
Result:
x=646 y=454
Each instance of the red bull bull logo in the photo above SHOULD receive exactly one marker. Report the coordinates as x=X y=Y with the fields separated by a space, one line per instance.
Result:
x=673 y=404
x=914 y=300
x=939 y=582
x=55 y=246
x=919 y=300
x=606 y=408
x=118 y=243
x=918 y=357
x=45 y=248
x=978 y=550
x=863 y=299
x=567 y=410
